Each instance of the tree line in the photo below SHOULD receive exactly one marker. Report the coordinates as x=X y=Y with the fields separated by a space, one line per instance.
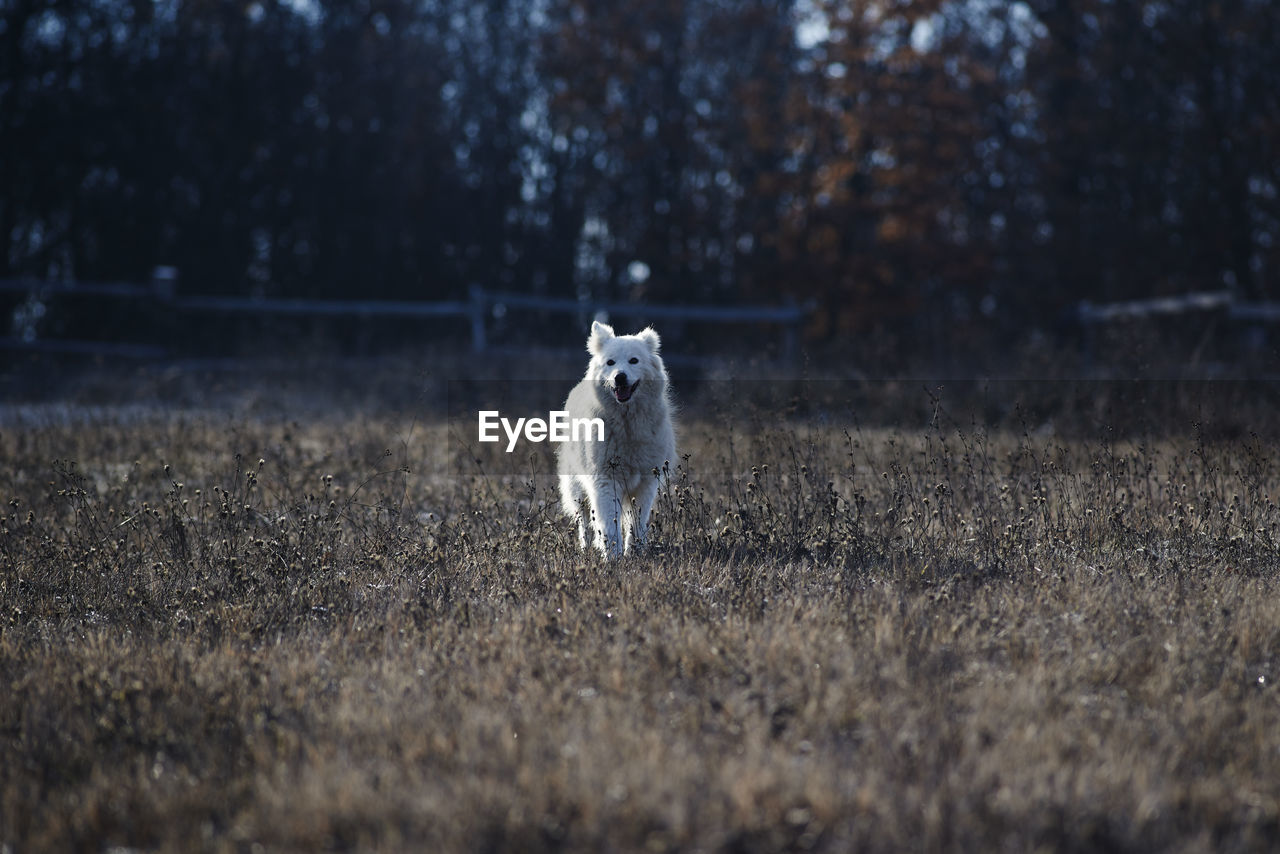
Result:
x=900 y=163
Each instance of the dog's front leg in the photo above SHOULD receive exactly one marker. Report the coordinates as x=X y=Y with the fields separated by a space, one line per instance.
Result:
x=640 y=515
x=608 y=521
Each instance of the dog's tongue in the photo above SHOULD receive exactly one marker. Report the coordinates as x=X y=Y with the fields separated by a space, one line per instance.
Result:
x=623 y=392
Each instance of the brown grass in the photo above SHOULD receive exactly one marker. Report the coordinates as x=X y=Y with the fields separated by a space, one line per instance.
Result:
x=936 y=638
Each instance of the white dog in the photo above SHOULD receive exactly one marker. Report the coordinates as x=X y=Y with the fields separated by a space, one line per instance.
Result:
x=626 y=387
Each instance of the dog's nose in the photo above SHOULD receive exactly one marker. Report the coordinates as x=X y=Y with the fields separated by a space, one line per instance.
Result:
x=620 y=379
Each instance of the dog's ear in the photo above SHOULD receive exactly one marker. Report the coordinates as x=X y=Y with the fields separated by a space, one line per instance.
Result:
x=600 y=333
x=650 y=337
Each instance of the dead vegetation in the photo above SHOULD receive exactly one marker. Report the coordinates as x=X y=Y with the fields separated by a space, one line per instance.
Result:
x=222 y=630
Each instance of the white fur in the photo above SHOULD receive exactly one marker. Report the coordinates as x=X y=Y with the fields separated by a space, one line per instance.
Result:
x=617 y=475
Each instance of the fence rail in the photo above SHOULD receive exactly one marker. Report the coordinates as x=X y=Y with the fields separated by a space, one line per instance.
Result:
x=1207 y=301
x=322 y=308
x=1252 y=316
x=476 y=310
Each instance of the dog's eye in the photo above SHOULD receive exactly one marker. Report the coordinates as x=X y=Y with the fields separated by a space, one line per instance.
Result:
x=634 y=360
x=610 y=362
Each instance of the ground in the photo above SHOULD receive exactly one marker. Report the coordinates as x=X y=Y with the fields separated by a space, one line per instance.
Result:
x=231 y=624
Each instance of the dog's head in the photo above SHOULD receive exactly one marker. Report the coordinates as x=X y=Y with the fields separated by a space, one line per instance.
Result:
x=625 y=365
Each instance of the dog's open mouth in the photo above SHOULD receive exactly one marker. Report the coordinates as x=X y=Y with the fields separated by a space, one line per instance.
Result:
x=622 y=393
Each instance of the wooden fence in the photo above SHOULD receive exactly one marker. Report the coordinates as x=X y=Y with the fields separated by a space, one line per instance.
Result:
x=1091 y=314
x=481 y=305
x=1253 y=317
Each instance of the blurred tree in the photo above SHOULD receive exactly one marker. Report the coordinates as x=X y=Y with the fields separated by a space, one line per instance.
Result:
x=259 y=147
x=492 y=124
x=667 y=122
x=914 y=164
x=1158 y=160
x=891 y=196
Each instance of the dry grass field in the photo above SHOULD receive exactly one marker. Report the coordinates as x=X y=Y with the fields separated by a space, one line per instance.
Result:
x=239 y=627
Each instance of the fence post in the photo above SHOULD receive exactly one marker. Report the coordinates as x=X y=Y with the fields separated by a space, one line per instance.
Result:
x=478 y=305
x=791 y=332
x=164 y=282
x=1084 y=316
